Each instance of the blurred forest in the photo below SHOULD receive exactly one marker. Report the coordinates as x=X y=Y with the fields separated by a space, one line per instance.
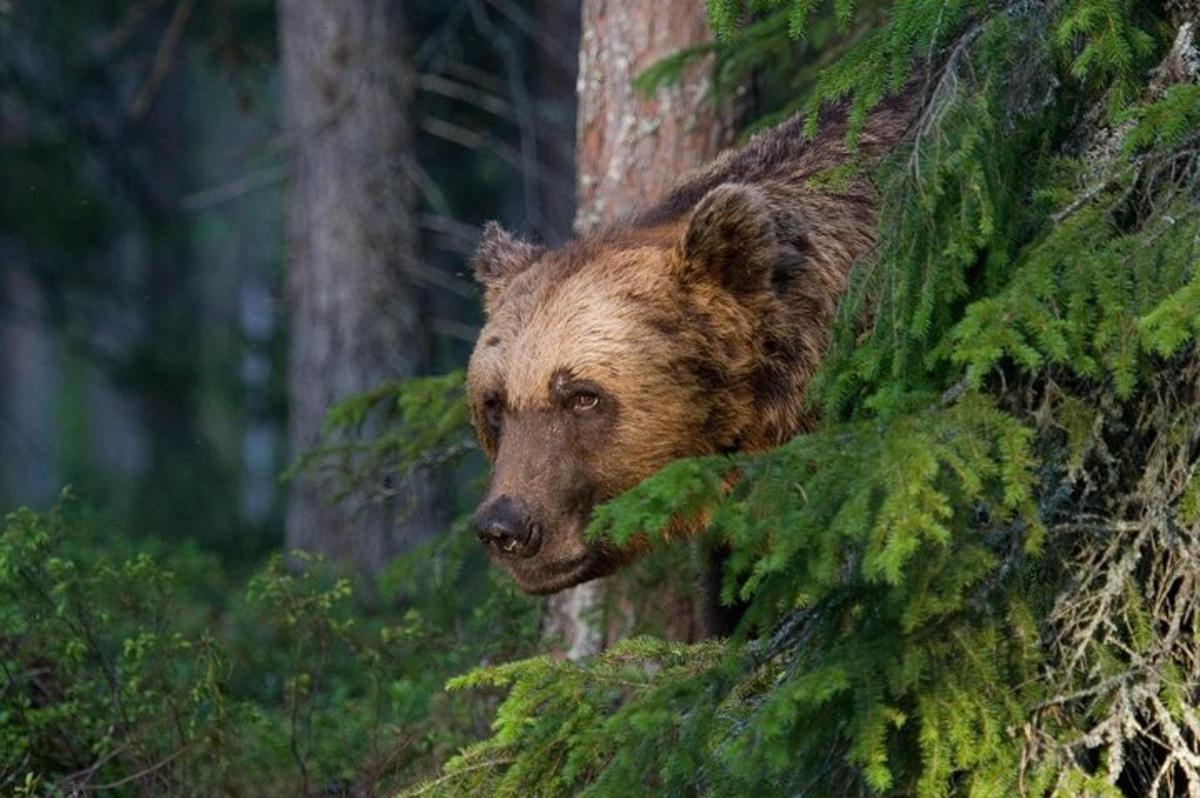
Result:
x=236 y=465
x=146 y=316
x=173 y=330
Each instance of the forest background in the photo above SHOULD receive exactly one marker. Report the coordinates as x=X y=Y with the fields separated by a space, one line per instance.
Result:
x=221 y=219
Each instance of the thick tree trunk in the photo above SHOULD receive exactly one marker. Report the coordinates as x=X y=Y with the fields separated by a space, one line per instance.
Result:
x=630 y=148
x=354 y=319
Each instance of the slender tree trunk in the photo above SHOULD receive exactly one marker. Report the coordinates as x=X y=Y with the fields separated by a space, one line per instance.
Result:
x=630 y=148
x=557 y=66
x=355 y=321
x=169 y=410
x=29 y=373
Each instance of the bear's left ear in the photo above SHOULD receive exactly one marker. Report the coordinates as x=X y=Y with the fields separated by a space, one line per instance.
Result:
x=501 y=256
x=730 y=239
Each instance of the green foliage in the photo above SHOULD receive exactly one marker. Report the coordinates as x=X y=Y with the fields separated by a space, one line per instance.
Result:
x=1175 y=322
x=987 y=254
x=145 y=672
x=391 y=430
x=561 y=712
x=101 y=667
x=1077 y=301
x=781 y=67
x=955 y=586
x=1165 y=123
x=912 y=471
x=1106 y=46
x=877 y=553
x=724 y=16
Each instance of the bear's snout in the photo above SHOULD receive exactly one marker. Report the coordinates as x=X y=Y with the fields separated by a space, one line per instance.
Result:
x=507 y=528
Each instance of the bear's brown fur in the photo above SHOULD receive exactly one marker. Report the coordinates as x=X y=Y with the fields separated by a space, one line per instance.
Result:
x=689 y=329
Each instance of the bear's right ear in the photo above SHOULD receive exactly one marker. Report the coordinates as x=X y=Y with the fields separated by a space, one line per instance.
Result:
x=500 y=257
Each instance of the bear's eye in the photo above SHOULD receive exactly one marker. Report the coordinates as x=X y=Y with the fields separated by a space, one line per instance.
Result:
x=583 y=401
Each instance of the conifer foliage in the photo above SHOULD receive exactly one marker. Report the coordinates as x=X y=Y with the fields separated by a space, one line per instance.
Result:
x=979 y=576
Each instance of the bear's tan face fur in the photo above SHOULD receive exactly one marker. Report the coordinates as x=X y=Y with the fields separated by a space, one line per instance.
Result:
x=603 y=361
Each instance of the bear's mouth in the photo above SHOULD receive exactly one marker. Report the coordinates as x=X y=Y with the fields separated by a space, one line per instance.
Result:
x=559 y=567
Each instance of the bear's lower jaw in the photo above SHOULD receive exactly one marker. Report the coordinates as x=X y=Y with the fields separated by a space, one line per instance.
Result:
x=538 y=577
x=541 y=577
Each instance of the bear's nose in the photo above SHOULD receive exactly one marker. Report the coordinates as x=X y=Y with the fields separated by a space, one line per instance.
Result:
x=501 y=525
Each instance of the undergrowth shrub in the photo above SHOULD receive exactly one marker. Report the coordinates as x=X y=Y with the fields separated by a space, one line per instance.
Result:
x=138 y=669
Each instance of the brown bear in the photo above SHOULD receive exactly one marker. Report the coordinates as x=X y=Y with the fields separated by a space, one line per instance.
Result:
x=691 y=328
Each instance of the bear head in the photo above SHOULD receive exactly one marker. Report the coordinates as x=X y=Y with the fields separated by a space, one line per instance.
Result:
x=604 y=360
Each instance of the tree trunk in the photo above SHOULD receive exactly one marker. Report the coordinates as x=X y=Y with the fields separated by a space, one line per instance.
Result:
x=29 y=374
x=355 y=321
x=630 y=148
x=557 y=65
x=168 y=407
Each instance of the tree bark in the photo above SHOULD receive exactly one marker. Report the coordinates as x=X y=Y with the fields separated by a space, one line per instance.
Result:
x=355 y=321
x=631 y=148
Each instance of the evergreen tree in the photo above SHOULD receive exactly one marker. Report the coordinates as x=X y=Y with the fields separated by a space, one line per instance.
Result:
x=978 y=577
